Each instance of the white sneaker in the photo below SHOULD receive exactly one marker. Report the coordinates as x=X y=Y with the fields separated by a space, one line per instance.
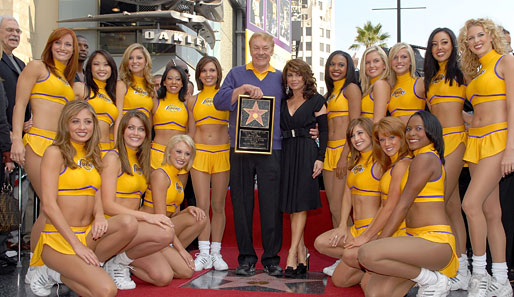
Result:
x=30 y=273
x=440 y=289
x=41 y=284
x=120 y=274
x=460 y=282
x=203 y=261
x=330 y=269
x=478 y=285
x=499 y=290
x=218 y=263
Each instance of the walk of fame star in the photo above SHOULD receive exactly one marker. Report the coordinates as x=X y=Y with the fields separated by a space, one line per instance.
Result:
x=255 y=114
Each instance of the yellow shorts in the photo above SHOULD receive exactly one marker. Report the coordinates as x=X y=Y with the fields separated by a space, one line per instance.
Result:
x=39 y=140
x=56 y=241
x=401 y=230
x=485 y=142
x=453 y=137
x=212 y=158
x=439 y=234
x=359 y=226
x=105 y=147
x=157 y=156
x=332 y=154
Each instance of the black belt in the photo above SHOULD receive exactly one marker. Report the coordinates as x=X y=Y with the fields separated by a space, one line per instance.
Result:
x=302 y=132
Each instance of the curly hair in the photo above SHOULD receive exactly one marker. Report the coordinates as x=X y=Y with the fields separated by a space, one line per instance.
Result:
x=470 y=63
x=431 y=66
x=366 y=85
x=367 y=125
x=63 y=139
x=389 y=126
x=394 y=51
x=126 y=75
x=302 y=68
x=351 y=76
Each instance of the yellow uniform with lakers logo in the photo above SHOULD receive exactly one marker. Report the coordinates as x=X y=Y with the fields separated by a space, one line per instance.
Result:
x=133 y=185
x=175 y=192
x=138 y=98
x=210 y=158
x=368 y=103
x=53 y=88
x=440 y=91
x=337 y=106
x=81 y=181
x=488 y=86
x=404 y=100
x=105 y=110
x=361 y=181
x=434 y=192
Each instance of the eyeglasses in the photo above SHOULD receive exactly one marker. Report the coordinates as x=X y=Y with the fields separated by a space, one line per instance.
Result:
x=12 y=30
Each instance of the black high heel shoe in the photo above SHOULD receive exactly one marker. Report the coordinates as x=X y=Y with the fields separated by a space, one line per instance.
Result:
x=290 y=272
x=301 y=269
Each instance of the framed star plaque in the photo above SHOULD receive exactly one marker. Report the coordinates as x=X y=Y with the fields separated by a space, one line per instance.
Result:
x=254 y=126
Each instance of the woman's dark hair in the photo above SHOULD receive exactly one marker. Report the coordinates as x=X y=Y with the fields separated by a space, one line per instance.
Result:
x=431 y=66
x=110 y=86
x=302 y=68
x=351 y=76
x=199 y=67
x=161 y=93
x=433 y=130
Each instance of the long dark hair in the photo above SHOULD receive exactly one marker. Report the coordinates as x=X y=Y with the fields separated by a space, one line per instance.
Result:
x=351 y=76
x=431 y=66
x=433 y=130
x=110 y=86
x=302 y=68
x=161 y=93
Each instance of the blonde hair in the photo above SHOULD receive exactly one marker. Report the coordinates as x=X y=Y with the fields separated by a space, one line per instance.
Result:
x=171 y=144
x=366 y=85
x=263 y=35
x=470 y=63
x=389 y=126
x=143 y=151
x=127 y=76
x=63 y=141
x=394 y=51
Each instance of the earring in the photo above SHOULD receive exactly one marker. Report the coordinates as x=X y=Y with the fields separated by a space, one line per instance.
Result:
x=287 y=89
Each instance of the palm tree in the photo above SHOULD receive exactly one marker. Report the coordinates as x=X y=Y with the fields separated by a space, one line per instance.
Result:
x=369 y=35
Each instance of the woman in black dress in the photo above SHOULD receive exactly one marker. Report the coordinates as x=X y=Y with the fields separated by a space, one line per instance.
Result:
x=302 y=158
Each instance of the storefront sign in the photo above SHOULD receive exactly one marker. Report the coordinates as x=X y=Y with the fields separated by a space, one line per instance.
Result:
x=175 y=37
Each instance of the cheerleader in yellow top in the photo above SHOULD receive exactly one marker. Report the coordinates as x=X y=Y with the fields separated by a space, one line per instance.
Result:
x=99 y=91
x=445 y=92
x=211 y=166
x=47 y=84
x=407 y=95
x=125 y=173
x=77 y=238
x=425 y=256
x=164 y=196
x=392 y=153
x=361 y=194
x=135 y=89
x=375 y=76
x=490 y=148
x=170 y=115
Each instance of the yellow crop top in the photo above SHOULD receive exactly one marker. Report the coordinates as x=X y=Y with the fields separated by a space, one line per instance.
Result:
x=337 y=103
x=488 y=85
x=138 y=98
x=204 y=111
x=171 y=113
x=104 y=107
x=404 y=100
x=53 y=88
x=385 y=181
x=360 y=178
x=131 y=186
x=367 y=102
x=440 y=90
x=81 y=181
x=434 y=189
x=174 y=194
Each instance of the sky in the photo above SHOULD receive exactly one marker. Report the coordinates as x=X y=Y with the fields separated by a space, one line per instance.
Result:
x=417 y=24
